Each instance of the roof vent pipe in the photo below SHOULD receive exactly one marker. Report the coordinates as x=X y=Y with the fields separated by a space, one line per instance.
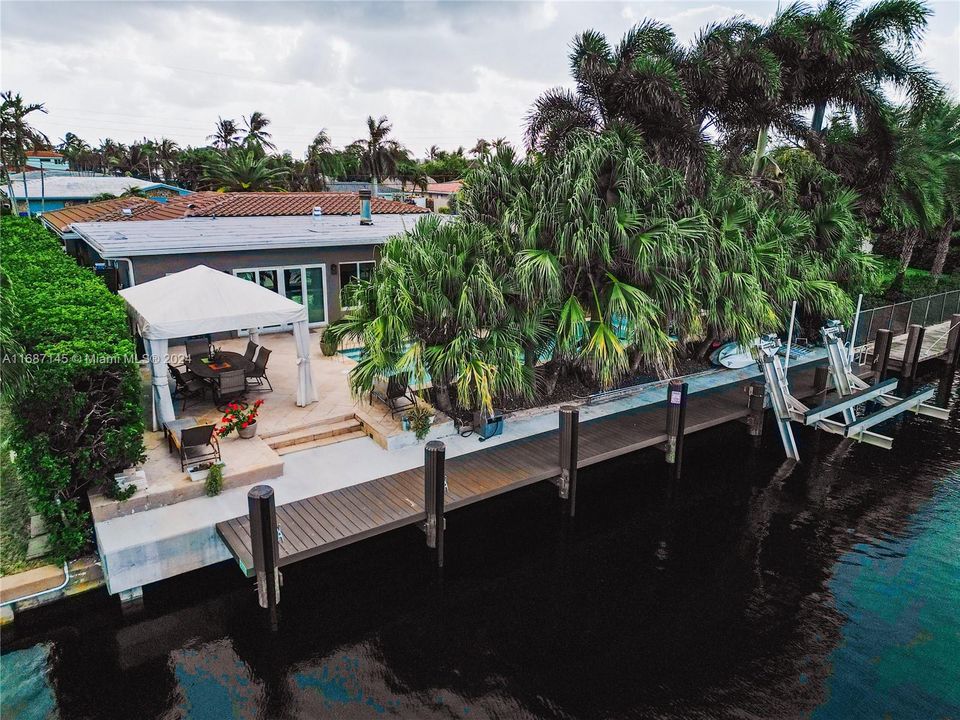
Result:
x=318 y=212
x=366 y=217
x=128 y=212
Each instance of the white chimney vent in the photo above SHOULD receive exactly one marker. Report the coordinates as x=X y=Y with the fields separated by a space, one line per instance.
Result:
x=127 y=212
x=318 y=212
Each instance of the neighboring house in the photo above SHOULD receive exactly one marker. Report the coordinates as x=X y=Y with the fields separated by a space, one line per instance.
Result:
x=273 y=239
x=46 y=160
x=53 y=192
x=126 y=208
x=439 y=194
x=387 y=189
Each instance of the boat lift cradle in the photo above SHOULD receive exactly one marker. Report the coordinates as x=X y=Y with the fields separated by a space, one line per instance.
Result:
x=851 y=392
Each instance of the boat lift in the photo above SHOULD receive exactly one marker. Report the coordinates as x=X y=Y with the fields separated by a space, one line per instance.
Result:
x=851 y=392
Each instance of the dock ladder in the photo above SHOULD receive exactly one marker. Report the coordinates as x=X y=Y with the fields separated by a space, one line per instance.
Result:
x=851 y=391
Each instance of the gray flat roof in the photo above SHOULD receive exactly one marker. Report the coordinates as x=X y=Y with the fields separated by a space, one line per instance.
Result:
x=212 y=234
x=77 y=186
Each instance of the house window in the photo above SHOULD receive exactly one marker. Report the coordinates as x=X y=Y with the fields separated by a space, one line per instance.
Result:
x=352 y=271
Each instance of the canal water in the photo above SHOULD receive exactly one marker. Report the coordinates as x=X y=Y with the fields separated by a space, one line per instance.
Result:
x=749 y=588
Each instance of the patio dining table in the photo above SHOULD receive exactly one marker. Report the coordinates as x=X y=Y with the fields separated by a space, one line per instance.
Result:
x=225 y=361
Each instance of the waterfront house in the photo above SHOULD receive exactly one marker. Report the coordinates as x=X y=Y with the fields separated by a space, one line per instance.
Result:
x=46 y=192
x=276 y=240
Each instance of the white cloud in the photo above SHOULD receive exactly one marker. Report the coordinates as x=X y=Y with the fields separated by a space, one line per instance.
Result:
x=445 y=73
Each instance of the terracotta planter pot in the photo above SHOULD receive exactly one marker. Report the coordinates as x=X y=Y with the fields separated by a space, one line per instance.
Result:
x=249 y=431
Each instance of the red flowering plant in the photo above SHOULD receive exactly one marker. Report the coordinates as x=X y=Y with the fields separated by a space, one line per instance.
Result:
x=238 y=415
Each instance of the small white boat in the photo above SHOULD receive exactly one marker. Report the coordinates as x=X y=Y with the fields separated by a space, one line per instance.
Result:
x=733 y=356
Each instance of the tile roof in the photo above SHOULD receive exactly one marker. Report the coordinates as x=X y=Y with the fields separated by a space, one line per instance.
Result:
x=445 y=187
x=268 y=204
x=43 y=154
x=98 y=211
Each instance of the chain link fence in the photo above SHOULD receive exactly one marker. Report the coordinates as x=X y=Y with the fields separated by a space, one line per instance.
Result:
x=924 y=311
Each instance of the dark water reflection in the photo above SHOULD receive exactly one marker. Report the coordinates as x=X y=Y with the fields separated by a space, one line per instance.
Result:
x=715 y=596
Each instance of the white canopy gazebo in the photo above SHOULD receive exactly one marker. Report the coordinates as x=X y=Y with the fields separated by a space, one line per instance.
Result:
x=200 y=301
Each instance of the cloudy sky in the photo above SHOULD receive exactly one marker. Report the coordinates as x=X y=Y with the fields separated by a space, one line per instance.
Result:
x=445 y=73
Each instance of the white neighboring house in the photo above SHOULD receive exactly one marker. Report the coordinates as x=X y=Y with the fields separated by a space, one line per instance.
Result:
x=44 y=193
x=439 y=194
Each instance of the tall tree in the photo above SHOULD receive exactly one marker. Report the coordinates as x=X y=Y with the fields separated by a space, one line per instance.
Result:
x=226 y=135
x=379 y=153
x=17 y=135
x=845 y=59
x=257 y=135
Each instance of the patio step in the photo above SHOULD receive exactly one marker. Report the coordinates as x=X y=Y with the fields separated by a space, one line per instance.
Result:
x=299 y=438
x=321 y=442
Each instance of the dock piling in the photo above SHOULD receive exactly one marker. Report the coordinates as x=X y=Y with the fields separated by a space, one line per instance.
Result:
x=434 y=487
x=881 y=354
x=569 y=455
x=264 y=546
x=911 y=353
x=756 y=392
x=952 y=356
x=676 y=422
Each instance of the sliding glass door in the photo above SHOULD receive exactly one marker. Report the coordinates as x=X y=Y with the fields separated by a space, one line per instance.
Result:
x=304 y=284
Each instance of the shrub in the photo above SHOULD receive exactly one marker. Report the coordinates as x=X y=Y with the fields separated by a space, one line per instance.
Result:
x=214 y=482
x=79 y=419
x=328 y=343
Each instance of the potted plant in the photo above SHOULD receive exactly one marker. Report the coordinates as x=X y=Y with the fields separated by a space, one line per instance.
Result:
x=421 y=418
x=239 y=417
x=328 y=343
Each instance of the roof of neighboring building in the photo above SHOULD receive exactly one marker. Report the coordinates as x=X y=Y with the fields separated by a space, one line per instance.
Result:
x=82 y=187
x=60 y=220
x=445 y=187
x=43 y=154
x=272 y=204
x=343 y=186
x=226 y=234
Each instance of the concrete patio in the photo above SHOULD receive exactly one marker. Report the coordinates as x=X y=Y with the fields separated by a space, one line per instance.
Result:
x=336 y=416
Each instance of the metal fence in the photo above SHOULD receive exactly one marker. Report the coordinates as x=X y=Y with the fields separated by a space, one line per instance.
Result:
x=924 y=311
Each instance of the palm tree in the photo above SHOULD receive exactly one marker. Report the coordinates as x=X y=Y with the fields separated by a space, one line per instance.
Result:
x=845 y=59
x=481 y=149
x=76 y=150
x=639 y=82
x=244 y=170
x=227 y=134
x=433 y=152
x=16 y=135
x=436 y=304
x=257 y=135
x=379 y=153
x=321 y=161
x=167 y=153
x=917 y=200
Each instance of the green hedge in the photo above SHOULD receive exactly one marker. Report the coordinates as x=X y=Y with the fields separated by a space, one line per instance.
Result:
x=79 y=419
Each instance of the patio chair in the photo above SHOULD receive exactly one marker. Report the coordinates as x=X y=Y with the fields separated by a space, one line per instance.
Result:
x=398 y=388
x=230 y=386
x=258 y=374
x=182 y=371
x=198 y=348
x=187 y=388
x=250 y=351
x=196 y=444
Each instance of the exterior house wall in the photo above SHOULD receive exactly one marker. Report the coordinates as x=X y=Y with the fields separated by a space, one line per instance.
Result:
x=151 y=267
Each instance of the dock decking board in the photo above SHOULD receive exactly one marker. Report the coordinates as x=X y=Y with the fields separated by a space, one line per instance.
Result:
x=324 y=522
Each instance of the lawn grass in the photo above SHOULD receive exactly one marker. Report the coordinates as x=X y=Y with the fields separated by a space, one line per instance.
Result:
x=916 y=282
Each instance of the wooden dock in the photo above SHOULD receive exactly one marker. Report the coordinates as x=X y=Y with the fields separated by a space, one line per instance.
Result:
x=331 y=520
x=935 y=345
